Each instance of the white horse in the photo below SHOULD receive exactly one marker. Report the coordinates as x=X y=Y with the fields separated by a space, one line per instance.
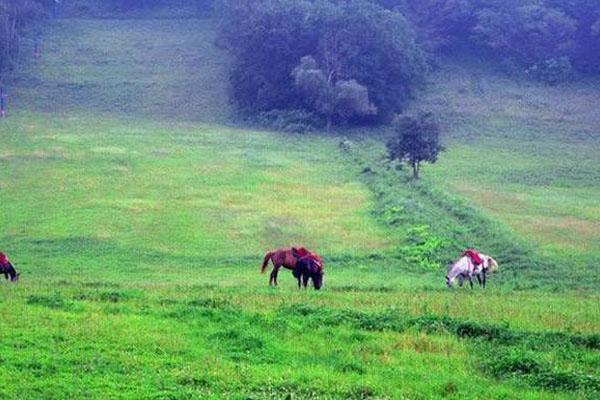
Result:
x=465 y=269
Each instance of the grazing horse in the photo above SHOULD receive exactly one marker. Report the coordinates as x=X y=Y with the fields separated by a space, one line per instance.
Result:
x=286 y=258
x=7 y=268
x=309 y=268
x=465 y=268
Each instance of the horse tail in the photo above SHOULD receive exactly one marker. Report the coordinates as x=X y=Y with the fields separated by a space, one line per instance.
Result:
x=265 y=262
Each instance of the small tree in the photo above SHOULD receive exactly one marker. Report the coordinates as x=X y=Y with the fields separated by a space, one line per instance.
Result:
x=417 y=139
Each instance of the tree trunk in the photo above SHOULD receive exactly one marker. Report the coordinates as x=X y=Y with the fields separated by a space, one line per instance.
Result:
x=415 y=166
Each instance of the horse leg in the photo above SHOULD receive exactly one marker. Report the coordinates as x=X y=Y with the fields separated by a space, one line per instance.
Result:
x=484 y=278
x=471 y=281
x=479 y=280
x=305 y=280
x=273 y=280
x=276 y=274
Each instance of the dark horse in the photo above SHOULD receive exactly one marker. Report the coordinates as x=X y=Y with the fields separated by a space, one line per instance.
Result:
x=309 y=268
x=288 y=258
x=7 y=268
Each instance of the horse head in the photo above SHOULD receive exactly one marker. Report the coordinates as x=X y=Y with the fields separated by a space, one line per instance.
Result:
x=461 y=267
x=10 y=272
x=317 y=277
x=492 y=264
x=313 y=269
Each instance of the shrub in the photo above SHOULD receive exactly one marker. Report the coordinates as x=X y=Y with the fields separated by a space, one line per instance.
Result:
x=293 y=121
x=552 y=71
x=566 y=380
x=54 y=301
x=514 y=362
x=422 y=248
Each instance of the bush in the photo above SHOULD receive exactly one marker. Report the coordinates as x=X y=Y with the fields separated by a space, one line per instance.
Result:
x=553 y=379
x=422 y=248
x=293 y=121
x=514 y=362
x=552 y=71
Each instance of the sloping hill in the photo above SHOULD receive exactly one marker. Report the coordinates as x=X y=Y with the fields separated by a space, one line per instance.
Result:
x=123 y=113
x=155 y=68
x=525 y=153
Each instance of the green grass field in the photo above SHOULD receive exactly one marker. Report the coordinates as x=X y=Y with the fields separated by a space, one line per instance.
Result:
x=525 y=153
x=140 y=233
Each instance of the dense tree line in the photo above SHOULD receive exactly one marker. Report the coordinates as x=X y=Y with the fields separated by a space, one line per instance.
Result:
x=528 y=33
x=108 y=7
x=358 y=60
x=17 y=19
x=345 y=61
x=126 y=5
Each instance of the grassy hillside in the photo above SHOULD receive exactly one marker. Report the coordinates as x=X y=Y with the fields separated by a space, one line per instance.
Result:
x=140 y=249
x=202 y=193
x=156 y=68
x=526 y=154
x=140 y=235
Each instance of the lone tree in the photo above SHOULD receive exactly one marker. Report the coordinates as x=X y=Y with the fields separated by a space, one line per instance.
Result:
x=417 y=139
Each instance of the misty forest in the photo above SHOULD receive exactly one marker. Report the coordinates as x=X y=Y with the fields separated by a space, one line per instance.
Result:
x=300 y=199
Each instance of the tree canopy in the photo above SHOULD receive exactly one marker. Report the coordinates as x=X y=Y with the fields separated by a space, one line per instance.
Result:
x=528 y=32
x=378 y=50
x=417 y=140
x=364 y=60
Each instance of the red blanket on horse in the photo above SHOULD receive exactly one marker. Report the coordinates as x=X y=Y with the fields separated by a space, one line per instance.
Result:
x=474 y=256
x=302 y=252
x=3 y=260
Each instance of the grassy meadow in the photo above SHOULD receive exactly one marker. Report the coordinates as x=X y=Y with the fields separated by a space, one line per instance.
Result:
x=525 y=153
x=139 y=230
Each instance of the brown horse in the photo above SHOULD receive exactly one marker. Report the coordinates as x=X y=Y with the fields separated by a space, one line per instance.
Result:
x=287 y=258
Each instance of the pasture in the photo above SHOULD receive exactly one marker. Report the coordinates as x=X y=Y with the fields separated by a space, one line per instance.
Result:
x=140 y=242
x=526 y=154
